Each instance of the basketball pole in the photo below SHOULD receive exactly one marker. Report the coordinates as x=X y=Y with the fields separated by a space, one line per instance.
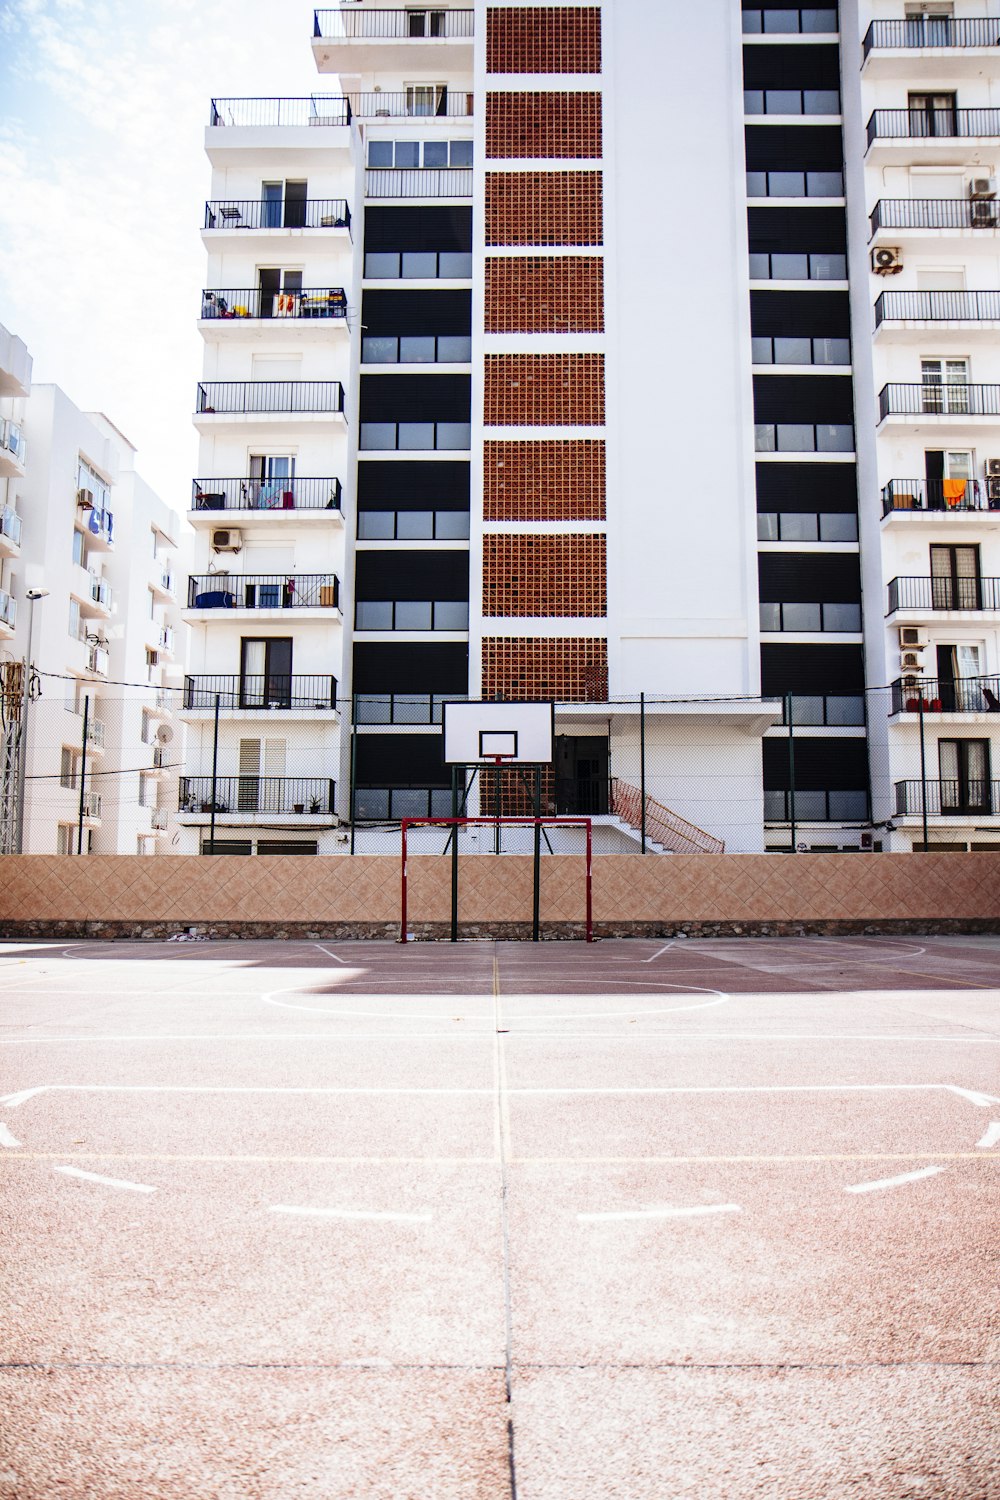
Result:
x=536 y=886
x=454 y=854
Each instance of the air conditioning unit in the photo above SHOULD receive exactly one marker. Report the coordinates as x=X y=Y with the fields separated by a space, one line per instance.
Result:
x=912 y=638
x=993 y=468
x=910 y=661
x=887 y=261
x=983 y=187
x=85 y=499
x=230 y=540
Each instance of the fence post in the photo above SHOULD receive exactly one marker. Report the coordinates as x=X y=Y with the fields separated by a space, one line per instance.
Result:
x=536 y=883
x=454 y=852
x=923 y=763
x=642 y=768
x=83 y=774
x=791 y=768
x=354 y=773
x=215 y=775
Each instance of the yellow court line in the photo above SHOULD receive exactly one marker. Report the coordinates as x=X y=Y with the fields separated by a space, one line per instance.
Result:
x=967 y=984
x=487 y=1161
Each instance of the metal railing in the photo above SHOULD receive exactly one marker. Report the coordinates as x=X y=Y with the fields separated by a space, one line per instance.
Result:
x=96 y=733
x=98 y=660
x=659 y=823
x=11 y=526
x=266 y=494
x=403 y=708
x=829 y=710
x=933 y=31
x=252 y=692
x=791 y=101
x=797 y=267
x=927 y=124
x=264 y=591
x=424 y=102
x=807 y=20
x=934 y=494
x=935 y=213
x=445 y=348
x=257 y=794
x=939 y=400
x=809 y=617
x=804 y=806
x=413 y=525
x=318 y=109
x=160 y=819
x=91 y=802
x=415 y=436
x=800 y=351
x=374 y=804
x=938 y=307
x=803 y=437
x=255 y=213
x=12 y=438
x=946 y=695
x=418 y=25
x=795 y=184
x=944 y=593
x=309 y=302
x=418 y=265
x=228 y=397
x=8 y=610
x=948 y=797
x=418 y=182
x=411 y=614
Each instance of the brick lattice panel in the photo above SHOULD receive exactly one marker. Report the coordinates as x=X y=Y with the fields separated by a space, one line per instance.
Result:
x=544 y=390
x=549 y=480
x=544 y=575
x=544 y=39
x=542 y=125
x=544 y=208
x=569 y=669
x=545 y=294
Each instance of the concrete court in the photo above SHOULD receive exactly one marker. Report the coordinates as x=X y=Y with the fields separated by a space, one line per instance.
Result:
x=643 y=1220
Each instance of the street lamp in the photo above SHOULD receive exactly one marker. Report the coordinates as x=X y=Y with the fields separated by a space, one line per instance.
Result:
x=32 y=596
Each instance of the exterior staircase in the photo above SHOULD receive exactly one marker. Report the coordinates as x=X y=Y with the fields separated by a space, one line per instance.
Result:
x=666 y=831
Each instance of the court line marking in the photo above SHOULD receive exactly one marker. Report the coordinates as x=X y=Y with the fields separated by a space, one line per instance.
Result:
x=8 y=1141
x=991 y=1136
x=351 y=1214
x=659 y=951
x=330 y=955
x=319 y=1010
x=115 y=1182
x=491 y=1161
x=477 y=1033
x=891 y=1182
x=660 y=1213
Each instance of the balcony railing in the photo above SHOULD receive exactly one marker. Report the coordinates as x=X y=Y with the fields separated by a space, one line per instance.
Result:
x=791 y=102
x=946 y=695
x=416 y=435
x=264 y=591
x=423 y=102
x=95 y=733
x=927 y=124
x=809 y=618
x=167 y=580
x=12 y=438
x=253 y=213
x=98 y=660
x=411 y=614
x=939 y=400
x=816 y=806
x=100 y=592
x=318 y=109
x=935 y=213
x=403 y=708
x=418 y=182
x=269 y=494
x=839 y=710
x=92 y=806
x=785 y=267
x=387 y=804
x=10 y=526
x=807 y=526
x=951 y=798
x=273 y=690
x=417 y=349
x=807 y=21
x=801 y=437
x=933 y=31
x=935 y=494
x=938 y=307
x=418 y=265
x=8 y=610
x=795 y=184
x=238 y=304
x=800 y=351
x=160 y=819
x=925 y=594
x=413 y=525
x=259 y=396
x=341 y=25
x=166 y=641
x=258 y=794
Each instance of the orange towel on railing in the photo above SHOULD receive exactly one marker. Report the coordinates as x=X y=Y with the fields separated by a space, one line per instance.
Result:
x=954 y=491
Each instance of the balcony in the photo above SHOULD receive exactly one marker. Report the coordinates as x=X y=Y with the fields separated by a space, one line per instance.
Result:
x=934 y=214
x=269 y=114
x=98 y=658
x=251 y=694
x=413 y=525
x=800 y=351
x=95 y=734
x=356 y=40
x=949 y=799
x=938 y=695
x=98 y=523
x=824 y=710
x=412 y=614
x=418 y=182
x=416 y=436
x=807 y=21
x=416 y=349
x=10 y=533
x=919 y=47
x=788 y=102
x=801 y=437
x=160 y=820
x=92 y=807
x=804 y=806
x=8 y=615
x=13 y=449
x=387 y=804
x=941 y=497
x=803 y=267
x=304 y=801
x=926 y=137
x=928 y=596
x=165 y=642
x=795 y=184
x=281 y=402
x=163 y=583
x=226 y=312
x=246 y=216
x=915 y=311
x=937 y=403
x=274 y=497
x=810 y=618
x=264 y=591
x=419 y=102
x=403 y=708
x=418 y=265
x=101 y=598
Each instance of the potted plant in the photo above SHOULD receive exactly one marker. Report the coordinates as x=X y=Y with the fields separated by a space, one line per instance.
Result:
x=298 y=807
x=314 y=804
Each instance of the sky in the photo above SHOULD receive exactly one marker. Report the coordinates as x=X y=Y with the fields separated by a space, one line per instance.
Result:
x=103 y=180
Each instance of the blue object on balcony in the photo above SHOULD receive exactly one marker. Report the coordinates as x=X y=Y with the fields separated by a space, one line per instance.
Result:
x=215 y=599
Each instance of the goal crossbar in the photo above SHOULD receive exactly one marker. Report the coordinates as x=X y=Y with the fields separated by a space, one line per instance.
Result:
x=525 y=822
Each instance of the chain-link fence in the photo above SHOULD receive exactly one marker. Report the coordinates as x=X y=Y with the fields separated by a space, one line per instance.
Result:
x=276 y=764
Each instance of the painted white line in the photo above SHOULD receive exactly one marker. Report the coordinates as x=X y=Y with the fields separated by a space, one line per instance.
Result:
x=983 y=1101
x=661 y=1213
x=115 y=1182
x=627 y=1006
x=6 y=1139
x=338 y=1037
x=890 y=1182
x=991 y=1136
x=660 y=951
x=329 y=954
x=357 y=1214
x=13 y=1100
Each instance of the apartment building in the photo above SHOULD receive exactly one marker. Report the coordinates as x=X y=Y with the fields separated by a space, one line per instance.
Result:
x=87 y=551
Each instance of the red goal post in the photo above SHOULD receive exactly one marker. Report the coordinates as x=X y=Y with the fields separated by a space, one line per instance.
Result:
x=536 y=823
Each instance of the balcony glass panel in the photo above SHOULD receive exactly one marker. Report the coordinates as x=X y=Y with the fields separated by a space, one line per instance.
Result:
x=414 y=614
x=821 y=102
x=451 y=614
x=845 y=710
x=756 y=183
x=770 y=616
x=416 y=435
x=374 y=614
x=767 y=527
x=789 y=267
x=371 y=803
x=407 y=154
x=454 y=349
x=378 y=351
x=806 y=711
x=799 y=528
x=419 y=264
x=382 y=265
x=835 y=526
x=834 y=439
x=435 y=153
x=417 y=349
x=378 y=434
x=794 y=437
x=810 y=807
x=415 y=525
x=786 y=184
x=848 y=806
x=793 y=351
x=825 y=184
x=846 y=617
x=380 y=153
x=453 y=435
x=375 y=525
x=831 y=351
x=456 y=264
x=452 y=525
x=802 y=617
x=764 y=438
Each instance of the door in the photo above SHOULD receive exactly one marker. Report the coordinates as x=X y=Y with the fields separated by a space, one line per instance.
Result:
x=927 y=28
x=582 y=765
x=266 y=673
x=296 y=196
x=271 y=194
x=257 y=793
x=948 y=476
x=272 y=481
x=965 y=776
x=955 y=578
x=945 y=386
x=932 y=114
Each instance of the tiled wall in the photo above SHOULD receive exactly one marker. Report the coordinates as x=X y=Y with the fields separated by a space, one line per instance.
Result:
x=544 y=39
x=544 y=575
x=544 y=390
x=567 y=669
x=544 y=208
x=544 y=294
x=544 y=480
x=541 y=125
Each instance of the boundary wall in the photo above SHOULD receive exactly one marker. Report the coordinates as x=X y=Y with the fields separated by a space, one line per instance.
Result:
x=52 y=896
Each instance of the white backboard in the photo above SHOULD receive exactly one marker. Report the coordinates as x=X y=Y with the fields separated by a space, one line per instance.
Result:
x=475 y=734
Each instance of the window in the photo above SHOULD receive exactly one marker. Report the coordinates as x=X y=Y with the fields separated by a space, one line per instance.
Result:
x=79 y=549
x=271 y=480
x=413 y=154
x=945 y=385
x=75 y=629
x=932 y=114
x=67 y=768
x=65 y=839
x=266 y=673
x=965 y=776
x=426 y=98
x=955 y=578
